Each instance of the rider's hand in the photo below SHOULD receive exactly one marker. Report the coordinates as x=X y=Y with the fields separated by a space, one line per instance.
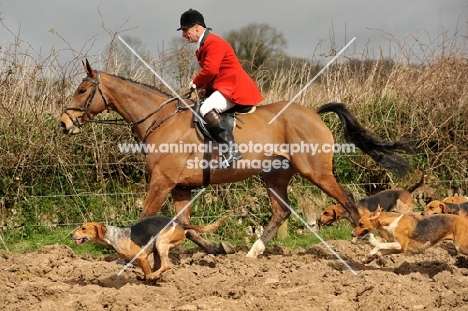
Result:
x=192 y=85
x=202 y=93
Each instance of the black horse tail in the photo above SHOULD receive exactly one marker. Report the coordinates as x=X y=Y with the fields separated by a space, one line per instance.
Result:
x=385 y=153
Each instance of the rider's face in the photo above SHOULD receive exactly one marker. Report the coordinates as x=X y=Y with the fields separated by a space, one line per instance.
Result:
x=191 y=33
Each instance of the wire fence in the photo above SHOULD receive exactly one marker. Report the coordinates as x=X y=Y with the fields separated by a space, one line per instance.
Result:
x=142 y=164
x=233 y=188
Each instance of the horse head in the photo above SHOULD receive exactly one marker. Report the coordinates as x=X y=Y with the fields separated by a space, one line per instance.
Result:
x=85 y=103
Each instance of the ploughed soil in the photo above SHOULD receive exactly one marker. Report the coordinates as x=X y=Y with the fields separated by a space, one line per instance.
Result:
x=54 y=278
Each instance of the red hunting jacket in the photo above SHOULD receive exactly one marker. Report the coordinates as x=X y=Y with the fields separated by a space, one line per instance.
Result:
x=221 y=71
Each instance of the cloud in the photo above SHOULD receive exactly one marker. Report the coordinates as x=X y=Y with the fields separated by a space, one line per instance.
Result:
x=303 y=23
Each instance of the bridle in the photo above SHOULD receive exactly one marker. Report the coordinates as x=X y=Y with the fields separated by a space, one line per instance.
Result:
x=85 y=109
x=153 y=126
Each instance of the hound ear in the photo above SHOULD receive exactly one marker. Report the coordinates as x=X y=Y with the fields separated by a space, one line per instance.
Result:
x=444 y=207
x=375 y=215
x=362 y=210
x=100 y=230
x=88 y=69
x=335 y=216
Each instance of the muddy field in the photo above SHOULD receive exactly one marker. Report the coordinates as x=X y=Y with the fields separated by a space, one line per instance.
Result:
x=54 y=278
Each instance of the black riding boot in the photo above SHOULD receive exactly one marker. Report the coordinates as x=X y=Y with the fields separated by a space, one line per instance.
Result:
x=223 y=137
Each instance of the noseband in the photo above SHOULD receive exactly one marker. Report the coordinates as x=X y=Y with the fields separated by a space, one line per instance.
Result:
x=85 y=109
x=157 y=122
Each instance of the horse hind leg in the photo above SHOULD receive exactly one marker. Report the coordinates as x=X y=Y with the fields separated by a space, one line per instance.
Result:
x=182 y=198
x=318 y=171
x=328 y=184
x=276 y=183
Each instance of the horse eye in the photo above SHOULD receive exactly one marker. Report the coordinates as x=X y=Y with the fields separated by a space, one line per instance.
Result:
x=81 y=91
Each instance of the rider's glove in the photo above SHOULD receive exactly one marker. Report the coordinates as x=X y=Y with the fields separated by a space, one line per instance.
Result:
x=192 y=85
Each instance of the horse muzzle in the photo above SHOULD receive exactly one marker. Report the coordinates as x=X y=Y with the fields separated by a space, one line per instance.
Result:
x=68 y=126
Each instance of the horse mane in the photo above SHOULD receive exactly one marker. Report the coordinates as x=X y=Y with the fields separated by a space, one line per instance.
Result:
x=152 y=87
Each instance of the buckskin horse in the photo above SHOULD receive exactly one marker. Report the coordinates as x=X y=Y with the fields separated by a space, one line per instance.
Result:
x=158 y=119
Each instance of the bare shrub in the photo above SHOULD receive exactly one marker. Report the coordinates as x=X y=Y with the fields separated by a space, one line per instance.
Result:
x=47 y=178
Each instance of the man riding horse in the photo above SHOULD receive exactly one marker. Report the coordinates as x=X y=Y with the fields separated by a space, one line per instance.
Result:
x=158 y=119
x=221 y=81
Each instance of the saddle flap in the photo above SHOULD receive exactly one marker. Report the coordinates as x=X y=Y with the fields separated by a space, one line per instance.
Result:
x=204 y=131
x=240 y=109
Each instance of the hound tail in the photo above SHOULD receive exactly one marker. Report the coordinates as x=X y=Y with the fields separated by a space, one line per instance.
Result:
x=420 y=183
x=205 y=229
x=385 y=153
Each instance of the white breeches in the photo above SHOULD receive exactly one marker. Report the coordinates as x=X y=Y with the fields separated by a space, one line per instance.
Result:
x=216 y=101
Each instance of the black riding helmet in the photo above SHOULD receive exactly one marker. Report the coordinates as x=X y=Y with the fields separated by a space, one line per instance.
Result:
x=190 y=18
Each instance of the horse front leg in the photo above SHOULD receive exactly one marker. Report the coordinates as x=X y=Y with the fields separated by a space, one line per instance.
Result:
x=157 y=193
x=182 y=198
x=277 y=185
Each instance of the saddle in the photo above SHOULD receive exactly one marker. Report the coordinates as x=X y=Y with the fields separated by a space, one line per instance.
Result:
x=230 y=116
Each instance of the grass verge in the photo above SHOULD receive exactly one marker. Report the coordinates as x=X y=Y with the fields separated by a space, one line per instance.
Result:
x=61 y=235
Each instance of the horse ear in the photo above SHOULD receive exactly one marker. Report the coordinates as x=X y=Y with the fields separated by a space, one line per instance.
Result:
x=88 y=69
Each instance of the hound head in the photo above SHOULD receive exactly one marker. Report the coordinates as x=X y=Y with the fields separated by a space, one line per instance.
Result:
x=369 y=222
x=331 y=214
x=436 y=207
x=91 y=231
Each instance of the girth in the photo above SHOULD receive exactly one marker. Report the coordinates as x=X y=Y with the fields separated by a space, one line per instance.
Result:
x=229 y=116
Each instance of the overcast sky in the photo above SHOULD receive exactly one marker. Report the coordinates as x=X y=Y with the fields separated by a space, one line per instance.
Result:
x=303 y=23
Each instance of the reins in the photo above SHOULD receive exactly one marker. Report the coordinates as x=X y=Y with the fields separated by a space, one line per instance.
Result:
x=88 y=102
x=153 y=126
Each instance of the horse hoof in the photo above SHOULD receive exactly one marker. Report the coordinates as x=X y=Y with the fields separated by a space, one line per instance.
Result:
x=228 y=248
x=256 y=249
x=369 y=259
x=121 y=262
